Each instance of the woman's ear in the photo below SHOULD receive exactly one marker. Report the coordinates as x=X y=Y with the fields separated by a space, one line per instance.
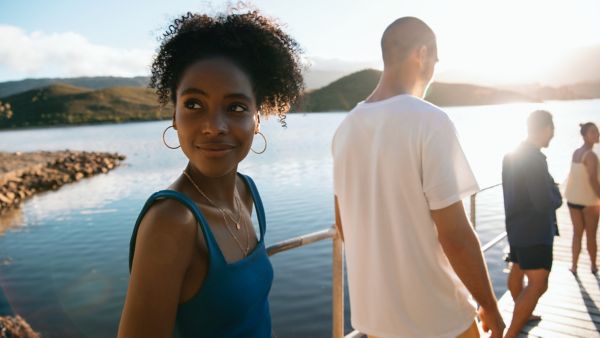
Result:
x=257 y=124
x=174 y=120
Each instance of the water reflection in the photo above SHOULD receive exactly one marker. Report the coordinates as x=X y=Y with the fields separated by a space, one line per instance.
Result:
x=11 y=219
x=66 y=270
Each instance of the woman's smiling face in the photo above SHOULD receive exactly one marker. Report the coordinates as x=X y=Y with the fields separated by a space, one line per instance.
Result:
x=215 y=115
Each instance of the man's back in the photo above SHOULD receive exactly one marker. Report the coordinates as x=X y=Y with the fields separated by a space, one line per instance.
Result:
x=530 y=197
x=394 y=161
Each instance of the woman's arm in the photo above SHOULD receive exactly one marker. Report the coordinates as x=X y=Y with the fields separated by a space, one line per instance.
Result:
x=163 y=249
x=591 y=164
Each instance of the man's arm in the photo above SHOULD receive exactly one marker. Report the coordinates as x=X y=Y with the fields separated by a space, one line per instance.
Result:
x=461 y=246
x=539 y=185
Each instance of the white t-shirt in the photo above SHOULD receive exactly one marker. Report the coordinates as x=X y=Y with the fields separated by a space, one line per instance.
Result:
x=394 y=161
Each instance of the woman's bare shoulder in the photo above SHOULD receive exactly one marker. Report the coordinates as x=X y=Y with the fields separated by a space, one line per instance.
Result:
x=167 y=227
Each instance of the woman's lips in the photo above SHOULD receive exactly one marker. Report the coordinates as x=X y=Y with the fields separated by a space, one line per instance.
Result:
x=215 y=149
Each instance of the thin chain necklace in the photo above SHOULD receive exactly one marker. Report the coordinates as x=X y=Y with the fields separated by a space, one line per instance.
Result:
x=225 y=215
x=235 y=197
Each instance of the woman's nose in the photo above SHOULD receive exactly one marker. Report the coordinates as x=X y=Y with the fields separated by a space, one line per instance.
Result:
x=215 y=123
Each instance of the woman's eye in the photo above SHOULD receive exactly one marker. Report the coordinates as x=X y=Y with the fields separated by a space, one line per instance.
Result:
x=238 y=108
x=193 y=105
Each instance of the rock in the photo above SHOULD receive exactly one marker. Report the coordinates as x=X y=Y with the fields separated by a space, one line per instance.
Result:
x=23 y=174
x=16 y=327
x=11 y=196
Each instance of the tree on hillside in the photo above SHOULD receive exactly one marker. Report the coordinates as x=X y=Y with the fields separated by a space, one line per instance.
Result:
x=6 y=112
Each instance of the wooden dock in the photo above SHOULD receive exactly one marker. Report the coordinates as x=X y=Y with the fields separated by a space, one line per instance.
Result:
x=571 y=306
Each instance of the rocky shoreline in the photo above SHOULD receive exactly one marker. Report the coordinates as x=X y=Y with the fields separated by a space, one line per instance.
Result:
x=16 y=327
x=24 y=174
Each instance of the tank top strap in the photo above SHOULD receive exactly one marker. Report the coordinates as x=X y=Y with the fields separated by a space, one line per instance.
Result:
x=260 y=211
x=585 y=155
x=211 y=243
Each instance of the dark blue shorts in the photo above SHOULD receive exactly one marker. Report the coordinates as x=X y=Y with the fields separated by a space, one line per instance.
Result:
x=532 y=257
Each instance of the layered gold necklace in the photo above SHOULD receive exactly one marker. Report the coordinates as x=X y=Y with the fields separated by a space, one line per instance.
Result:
x=238 y=224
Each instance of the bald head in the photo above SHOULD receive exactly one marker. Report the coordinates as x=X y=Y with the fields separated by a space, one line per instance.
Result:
x=403 y=36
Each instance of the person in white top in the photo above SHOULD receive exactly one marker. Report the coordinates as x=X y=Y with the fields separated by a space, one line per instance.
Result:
x=399 y=179
x=583 y=195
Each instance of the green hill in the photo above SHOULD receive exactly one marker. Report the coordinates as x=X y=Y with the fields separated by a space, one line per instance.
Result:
x=64 y=104
x=577 y=91
x=341 y=95
x=345 y=93
x=92 y=82
x=454 y=94
x=61 y=104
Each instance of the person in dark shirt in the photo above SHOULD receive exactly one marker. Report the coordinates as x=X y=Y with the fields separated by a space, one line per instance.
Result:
x=530 y=200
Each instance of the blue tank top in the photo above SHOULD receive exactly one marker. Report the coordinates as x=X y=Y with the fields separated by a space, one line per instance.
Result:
x=233 y=301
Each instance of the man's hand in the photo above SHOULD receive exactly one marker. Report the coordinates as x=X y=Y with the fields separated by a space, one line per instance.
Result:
x=461 y=246
x=492 y=320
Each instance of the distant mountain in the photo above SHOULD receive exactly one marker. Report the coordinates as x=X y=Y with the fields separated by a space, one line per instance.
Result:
x=578 y=91
x=455 y=94
x=314 y=79
x=345 y=93
x=589 y=90
x=341 y=95
x=97 y=82
x=61 y=104
x=103 y=99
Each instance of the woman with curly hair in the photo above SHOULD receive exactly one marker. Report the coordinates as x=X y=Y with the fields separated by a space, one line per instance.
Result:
x=583 y=195
x=198 y=269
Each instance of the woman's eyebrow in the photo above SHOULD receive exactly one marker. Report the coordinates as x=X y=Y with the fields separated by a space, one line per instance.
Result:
x=238 y=96
x=193 y=90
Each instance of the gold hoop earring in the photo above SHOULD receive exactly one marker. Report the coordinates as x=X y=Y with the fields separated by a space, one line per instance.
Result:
x=265 y=148
x=165 y=141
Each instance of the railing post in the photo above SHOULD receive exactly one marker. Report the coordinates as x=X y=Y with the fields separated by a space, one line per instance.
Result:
x=473 y=211
x=338 y=287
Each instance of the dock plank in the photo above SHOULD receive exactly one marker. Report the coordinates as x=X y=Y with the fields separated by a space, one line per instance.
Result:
x=571 y=306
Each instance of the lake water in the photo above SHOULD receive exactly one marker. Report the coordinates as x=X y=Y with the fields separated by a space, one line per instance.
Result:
x=63 y=261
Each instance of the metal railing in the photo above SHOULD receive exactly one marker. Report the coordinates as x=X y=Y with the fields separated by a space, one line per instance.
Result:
x=337 y=267
x=338 y=263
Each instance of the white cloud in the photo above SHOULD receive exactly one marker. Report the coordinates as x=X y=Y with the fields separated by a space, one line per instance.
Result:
x=37 y=54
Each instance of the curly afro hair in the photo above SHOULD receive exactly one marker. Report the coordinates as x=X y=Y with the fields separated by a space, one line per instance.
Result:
x=255 y=43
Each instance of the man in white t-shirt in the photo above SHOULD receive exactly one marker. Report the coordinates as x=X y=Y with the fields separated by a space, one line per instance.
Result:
x=399 y=179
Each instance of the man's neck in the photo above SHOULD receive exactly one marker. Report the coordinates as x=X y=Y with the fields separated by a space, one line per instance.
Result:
x=390 y=85
x=534 y=143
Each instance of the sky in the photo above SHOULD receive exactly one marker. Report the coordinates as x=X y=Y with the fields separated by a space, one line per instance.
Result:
x=479 y=41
